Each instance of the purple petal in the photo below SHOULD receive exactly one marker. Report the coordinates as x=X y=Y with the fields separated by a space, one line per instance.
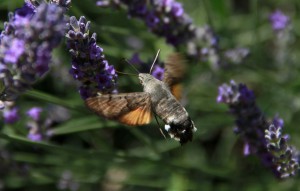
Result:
x=34 y=113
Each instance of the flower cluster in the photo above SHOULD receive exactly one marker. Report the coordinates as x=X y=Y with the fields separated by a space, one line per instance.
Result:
x=35 y=125
x=35 y=3
x=89 y=65
x=256 y=132
x=285 y=157
x=284 y=38
x=167 y=19
x=10 y=113
x=279 y=20
x=42 y=120
x=26 y=44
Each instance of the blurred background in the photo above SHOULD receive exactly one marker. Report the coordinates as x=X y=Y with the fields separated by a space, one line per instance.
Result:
x=85 y=152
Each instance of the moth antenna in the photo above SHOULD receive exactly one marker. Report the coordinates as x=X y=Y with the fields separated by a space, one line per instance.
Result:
x=132 y=66
x=126 y=73
x=159 y=127
x=157 y=54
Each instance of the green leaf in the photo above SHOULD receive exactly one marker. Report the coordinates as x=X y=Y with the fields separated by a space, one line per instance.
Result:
x=52 y=99
x=83 y=124
x=24 y=140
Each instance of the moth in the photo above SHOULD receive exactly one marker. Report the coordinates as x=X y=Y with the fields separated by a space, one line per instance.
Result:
x=158 y=97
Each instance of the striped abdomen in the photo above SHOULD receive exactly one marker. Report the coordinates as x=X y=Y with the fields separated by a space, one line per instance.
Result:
x=178 y=123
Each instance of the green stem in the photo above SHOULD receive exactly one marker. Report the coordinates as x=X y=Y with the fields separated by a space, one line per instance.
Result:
x=52 y=99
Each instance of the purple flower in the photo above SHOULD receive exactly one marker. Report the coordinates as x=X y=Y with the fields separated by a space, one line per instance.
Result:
x=35 y=3
x=165 y=18
x=285 y=157
x=89 y=65
x=279 y=20
x=142 y=66
x=177 y=9
x=158 y=72
x=23 y=15
x=34 y=113
x=247 y=150
x=278 y=122
x=205 y=45
x=139 y=9
x=13 y=53
x=35 y=136
x=103 y=3
x=252 y=125
x=38 y=28
x=152 y=20
x=135 y=59
x=228 y=93
x=40 y=126
x=11 y=115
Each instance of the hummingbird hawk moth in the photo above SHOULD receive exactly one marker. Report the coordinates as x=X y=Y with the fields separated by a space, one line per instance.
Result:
x=160 y=97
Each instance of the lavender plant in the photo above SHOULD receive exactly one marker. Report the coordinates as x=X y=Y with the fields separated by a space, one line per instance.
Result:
x=26 y=44
x=279 y=20
x=10 y=113
x=284 y=38
x=260 y=136
x=284 y=157
x=42 y=121
x=89 y=65
x=167 y=19
x=35 y=3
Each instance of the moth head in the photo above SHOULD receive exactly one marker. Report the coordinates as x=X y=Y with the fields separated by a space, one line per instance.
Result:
x=145 y=78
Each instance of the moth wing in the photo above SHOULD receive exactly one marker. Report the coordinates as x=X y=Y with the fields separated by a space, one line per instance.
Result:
x=127 y=108
x=175 y=68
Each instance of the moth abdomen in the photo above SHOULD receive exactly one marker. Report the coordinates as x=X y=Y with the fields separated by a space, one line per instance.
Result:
x=181 y=131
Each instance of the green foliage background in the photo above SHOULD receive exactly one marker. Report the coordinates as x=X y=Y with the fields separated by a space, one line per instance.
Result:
x=104 y=155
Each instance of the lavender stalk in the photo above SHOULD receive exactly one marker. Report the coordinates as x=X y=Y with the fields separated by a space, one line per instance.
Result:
x=89 y=65
x=260 y=136
x=26 y=44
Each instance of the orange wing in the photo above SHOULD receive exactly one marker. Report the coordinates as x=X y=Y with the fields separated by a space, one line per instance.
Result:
x=175 y=68
x=128 y=108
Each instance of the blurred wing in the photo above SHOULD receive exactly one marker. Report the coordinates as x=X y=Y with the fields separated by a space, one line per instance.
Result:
x=175 y=68
x=127 y=108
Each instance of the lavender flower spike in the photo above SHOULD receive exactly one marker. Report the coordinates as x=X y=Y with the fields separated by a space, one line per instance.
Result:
x=11 y=115
x=260 y=137
x=167 y=19
x=158 y=72
x=89 y=65
x=34 y=113
x=279 y=20
x=284 y=158
x=26 y=44
x=36 y=3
